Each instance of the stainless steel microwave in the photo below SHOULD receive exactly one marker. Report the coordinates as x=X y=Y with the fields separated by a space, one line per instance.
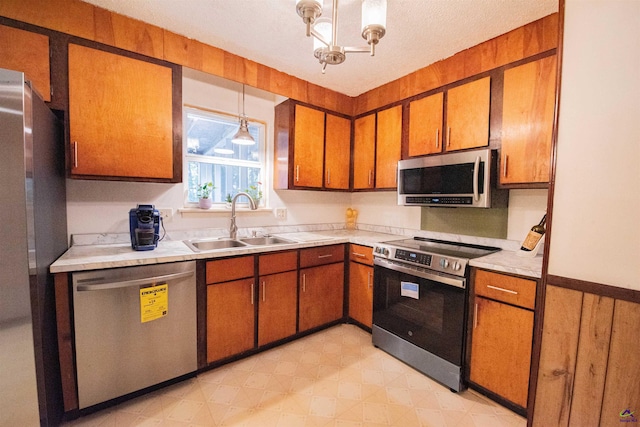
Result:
x=461 y=179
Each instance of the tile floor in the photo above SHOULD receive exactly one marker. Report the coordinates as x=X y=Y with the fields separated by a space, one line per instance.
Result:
x=332 y=378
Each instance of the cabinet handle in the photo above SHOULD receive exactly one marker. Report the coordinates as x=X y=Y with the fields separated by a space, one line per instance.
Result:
x=75 y=154
x=297 y=173
x=304 y=282
x=370 y=175
x=509 y=291
x=325 y=256
x=252 y=294
x=504 y=166
x=437 y=138
x=264 y=291
x=475 y=315
x=358 y=255
x=448 y=136
x=328 y=176
x=369 y=279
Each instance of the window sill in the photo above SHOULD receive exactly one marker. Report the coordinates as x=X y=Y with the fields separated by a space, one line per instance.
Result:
x=215 y=210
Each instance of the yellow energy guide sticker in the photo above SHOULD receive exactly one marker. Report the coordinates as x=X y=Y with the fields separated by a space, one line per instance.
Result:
x=154 y=302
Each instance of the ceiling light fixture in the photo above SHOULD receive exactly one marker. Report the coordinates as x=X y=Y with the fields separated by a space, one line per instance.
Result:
x=243 y=137
x=325 y=32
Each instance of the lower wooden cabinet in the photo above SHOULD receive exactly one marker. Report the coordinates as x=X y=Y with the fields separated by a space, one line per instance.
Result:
x=230 y=318
x=277 y=296
x=502 y=335
x=321 y=295
x=361 y=284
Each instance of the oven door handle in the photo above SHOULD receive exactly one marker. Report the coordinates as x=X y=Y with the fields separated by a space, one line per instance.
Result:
x=458 y=282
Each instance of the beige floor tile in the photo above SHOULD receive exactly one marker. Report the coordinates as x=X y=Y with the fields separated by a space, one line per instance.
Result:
x=334 y=378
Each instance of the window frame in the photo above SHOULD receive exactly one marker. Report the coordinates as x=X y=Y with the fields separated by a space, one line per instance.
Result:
x=187 y=157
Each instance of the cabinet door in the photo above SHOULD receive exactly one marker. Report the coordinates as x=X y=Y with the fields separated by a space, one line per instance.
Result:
x=28 y=52
x=425 y=125
x=364 y=151
x=527 y=121
x=388 y=146
x=230 y=318
x=337 y=155
x=501 y=349
x=120 y=116
x=321 y=295
x=361 y=293
x=468 y=115
x=277 y=307
x=308 y=152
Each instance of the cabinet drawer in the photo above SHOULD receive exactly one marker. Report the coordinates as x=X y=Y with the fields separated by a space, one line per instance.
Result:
x=321 y=255
x=226 y=269
x=361 y=254
x=509 y=289
x=277 y=263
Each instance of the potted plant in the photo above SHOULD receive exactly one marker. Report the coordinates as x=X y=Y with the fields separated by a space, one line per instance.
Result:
x=255 y=192
x=204 y=194
x=228 y=199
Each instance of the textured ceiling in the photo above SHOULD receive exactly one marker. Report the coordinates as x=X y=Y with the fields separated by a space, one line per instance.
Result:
x=419 y=32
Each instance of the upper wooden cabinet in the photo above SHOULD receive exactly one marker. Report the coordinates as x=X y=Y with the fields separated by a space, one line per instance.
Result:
x=337 y=152
x=377 y=143
x=301 y=158
x=364 y=151
x=388 y=146
x=425 y=125
x=527 y=122
x=27 y=52
x=121 y=121
x=468 y=108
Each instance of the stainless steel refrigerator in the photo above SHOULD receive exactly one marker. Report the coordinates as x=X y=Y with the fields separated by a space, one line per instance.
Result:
x=33 y=234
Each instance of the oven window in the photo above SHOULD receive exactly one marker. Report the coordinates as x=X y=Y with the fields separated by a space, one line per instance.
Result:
x=431 y=318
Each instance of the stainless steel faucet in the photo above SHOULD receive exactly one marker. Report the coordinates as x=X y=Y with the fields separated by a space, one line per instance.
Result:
x=233 y=229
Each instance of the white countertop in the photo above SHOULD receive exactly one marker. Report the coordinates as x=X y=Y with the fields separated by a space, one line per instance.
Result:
x=112 y=255
x=108 y=252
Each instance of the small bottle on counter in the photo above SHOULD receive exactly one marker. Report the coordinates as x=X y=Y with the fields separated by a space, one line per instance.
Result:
x=534 y=235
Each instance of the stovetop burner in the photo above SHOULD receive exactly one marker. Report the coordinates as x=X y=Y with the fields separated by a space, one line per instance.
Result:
x=440 y=255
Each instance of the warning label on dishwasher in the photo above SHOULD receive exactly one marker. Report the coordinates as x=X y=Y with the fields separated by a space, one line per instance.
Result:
x=154 y=302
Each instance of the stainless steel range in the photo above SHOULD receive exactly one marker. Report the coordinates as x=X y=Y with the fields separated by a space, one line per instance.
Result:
x=420 y=301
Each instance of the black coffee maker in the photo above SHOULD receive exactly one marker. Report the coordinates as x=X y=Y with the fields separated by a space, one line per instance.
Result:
x=144 y=226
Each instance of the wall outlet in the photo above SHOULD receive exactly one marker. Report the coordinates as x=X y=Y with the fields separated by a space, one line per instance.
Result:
x=280 y=213
x=166 y=214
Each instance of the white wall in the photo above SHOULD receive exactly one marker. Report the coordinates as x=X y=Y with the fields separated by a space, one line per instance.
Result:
x=596 y=230
x=103 y=206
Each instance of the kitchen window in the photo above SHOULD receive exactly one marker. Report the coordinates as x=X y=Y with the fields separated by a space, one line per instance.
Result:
x=212 y=157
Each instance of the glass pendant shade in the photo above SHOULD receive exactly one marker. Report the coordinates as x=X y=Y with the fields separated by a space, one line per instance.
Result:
x=374 y=12
x=322 y=27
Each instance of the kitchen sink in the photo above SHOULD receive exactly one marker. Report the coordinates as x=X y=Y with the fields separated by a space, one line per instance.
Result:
x=266 y=240
x=210 y=245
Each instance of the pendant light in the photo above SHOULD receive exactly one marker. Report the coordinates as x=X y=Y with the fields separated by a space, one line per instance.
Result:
x=243 y=137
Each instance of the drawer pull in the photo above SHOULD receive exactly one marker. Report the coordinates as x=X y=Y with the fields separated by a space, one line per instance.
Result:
x=509 y=291
x=358 y=255
x=325 y=256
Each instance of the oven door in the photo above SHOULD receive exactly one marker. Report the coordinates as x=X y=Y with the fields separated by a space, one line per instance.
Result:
x=422 y=307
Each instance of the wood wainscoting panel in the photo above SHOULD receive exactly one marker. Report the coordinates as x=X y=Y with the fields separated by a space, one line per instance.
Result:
x=622 y=384
x=557 y=357
x=595 y=334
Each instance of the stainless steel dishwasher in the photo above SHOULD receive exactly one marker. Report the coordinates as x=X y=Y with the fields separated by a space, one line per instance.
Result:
x=135 y=327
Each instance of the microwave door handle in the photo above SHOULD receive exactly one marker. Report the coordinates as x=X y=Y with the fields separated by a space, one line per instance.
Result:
x=476 y=172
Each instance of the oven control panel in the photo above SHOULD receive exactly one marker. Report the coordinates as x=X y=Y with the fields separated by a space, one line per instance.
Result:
x=414 y=257
x=433 y=261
